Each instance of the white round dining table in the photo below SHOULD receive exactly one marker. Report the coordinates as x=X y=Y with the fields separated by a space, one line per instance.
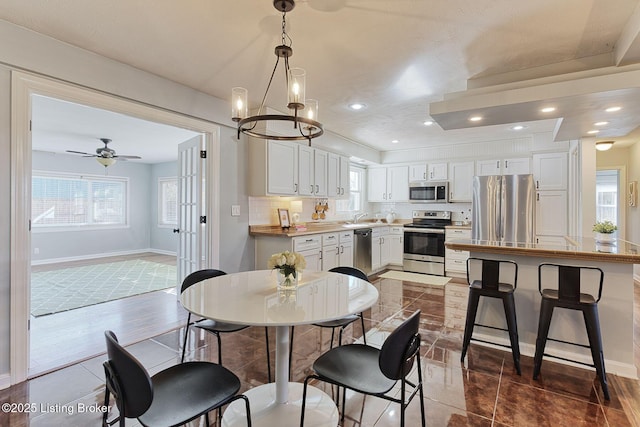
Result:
x=253 y=298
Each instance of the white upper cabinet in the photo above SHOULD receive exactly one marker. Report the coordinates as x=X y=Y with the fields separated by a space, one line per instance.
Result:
x=398 y=183
x=515 y=166
x=461 y=181
x=437 y=171
x=377 y=184
x=388 y=184
x=282 y=166
x=418 y=172
x=337 y=176
x=550 y=171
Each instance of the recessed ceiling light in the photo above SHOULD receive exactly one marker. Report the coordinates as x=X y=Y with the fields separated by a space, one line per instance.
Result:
x=548 y=109
x=428 y=123
x=357 y=106
x=600 y=123
x=475 y=118
x=518 y=127
x=395 y=141
x=591 y=132
x=613 y=109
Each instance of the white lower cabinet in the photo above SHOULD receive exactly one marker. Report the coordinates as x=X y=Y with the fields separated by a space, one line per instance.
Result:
x=345 y=258
x=396 y=245
x=311 y=248
x=330 y=250
x=380 y=248
x=455 y=261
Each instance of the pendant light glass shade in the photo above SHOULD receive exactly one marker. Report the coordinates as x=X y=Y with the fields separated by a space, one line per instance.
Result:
x=311 y=109
x=296 y=89
x=238 y=103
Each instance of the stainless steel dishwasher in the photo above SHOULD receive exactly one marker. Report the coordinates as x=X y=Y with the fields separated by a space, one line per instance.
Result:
x=362 y=249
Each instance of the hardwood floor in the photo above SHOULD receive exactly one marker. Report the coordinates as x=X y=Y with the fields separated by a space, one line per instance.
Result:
x=68 y=337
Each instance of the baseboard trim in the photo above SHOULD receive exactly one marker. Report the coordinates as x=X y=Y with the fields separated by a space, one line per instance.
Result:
x=612 y=367
x=5 y=381
x=101 y=255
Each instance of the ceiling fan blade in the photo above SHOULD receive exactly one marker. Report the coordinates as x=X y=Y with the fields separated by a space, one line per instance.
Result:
x=126 y=157
x=81 y=152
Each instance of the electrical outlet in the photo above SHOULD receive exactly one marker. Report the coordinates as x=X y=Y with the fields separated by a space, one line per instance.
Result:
x=235 y=210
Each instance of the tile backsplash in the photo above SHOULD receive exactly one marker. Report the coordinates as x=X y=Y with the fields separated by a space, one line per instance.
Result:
x=263 y=210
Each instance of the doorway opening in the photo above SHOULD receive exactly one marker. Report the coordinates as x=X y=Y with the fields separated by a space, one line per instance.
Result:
x=24 y=89
x=608 y=198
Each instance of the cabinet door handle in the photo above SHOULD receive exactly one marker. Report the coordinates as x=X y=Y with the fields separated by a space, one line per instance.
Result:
x=506 y=164
x=538 y=197
x=295 y=186
x=340 y=249
x=497 y=164
x=537 y=184
x=321 y=254
x=424 y=175
x=337 y=190
x=311 y=188
x=389 y=196
x=317 y=188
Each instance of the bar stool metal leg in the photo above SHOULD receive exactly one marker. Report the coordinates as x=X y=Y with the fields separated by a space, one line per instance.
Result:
x=592 y=323
x=472 y=308
x=546 y=311
x=509 y=305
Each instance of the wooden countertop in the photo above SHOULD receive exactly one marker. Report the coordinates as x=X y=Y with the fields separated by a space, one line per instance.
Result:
x=316 y=228
x=584 y=248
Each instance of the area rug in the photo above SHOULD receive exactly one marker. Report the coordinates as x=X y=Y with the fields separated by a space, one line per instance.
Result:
x=61 y=290
x=425 y=279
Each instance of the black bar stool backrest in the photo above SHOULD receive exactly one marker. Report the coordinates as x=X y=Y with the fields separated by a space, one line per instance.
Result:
x=491 y=272
x=405 y=337
x=569 y=280
x=199 y=276
x=351 y=271
x=134 y=383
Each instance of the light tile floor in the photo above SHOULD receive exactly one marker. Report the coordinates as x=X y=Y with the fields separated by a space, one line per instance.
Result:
x=484 y=391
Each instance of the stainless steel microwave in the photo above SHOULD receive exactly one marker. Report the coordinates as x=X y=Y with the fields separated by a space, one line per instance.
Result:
x=429 y=191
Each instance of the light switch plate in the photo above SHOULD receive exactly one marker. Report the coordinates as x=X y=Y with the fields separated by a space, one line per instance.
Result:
x=235 y=210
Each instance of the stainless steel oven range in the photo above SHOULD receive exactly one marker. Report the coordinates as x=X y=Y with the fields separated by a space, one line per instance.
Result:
x=424 y=242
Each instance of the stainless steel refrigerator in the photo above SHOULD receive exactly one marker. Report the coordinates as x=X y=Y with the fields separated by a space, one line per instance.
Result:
x=503 y=208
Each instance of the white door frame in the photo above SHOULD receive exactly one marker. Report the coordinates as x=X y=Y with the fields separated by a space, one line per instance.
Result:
x=23 y=86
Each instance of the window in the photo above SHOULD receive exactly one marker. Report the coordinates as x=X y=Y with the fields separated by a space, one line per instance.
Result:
x=356 y=190
x=60 y=200
x=607 y=195
x=167 y=202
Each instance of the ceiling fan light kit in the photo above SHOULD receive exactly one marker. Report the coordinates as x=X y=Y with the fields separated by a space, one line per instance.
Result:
x=104 y=155
x=305 y=111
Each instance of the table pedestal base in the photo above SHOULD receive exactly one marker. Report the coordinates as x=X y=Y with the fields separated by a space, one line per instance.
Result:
x=320 y=410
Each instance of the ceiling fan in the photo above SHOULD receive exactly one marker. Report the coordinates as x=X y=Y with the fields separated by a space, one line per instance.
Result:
x=104 y=155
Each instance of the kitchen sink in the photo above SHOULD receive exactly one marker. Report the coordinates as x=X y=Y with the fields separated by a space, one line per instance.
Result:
x=355 y=225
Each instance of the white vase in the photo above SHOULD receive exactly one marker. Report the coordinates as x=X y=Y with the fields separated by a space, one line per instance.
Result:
x=604 y=237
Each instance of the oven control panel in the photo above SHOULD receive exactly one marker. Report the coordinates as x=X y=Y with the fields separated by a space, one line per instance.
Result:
x=432 y=214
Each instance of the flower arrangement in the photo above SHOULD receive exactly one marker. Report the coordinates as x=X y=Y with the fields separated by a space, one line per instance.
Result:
x=288 y=264
x=605 y=227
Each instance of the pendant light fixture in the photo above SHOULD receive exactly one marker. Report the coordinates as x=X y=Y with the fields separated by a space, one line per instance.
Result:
x=304 y=112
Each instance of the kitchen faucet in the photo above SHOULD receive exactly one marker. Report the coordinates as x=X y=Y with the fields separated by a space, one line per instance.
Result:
x=357 y=217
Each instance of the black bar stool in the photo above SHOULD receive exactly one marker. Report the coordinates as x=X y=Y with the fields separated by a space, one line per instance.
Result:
x=490 y=285
x=568 y=295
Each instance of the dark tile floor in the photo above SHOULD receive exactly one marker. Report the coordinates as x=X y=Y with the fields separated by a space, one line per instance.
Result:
x=484 y=391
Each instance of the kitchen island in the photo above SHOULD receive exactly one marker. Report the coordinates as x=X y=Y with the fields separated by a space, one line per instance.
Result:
x=615 y=308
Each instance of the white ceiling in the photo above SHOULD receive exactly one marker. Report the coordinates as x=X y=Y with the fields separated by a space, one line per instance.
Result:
x=405 y=59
